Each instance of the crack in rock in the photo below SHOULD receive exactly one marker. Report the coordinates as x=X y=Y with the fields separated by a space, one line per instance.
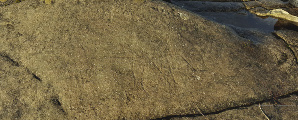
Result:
x=206 y=115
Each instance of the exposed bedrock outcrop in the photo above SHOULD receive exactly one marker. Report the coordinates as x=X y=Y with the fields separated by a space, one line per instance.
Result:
x=113 y=59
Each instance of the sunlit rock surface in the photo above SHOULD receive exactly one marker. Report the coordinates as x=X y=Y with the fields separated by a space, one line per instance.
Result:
x=281 y=14
x=112 y=59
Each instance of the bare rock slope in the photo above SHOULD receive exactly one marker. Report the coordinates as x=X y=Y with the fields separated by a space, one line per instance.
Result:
x=114 y=59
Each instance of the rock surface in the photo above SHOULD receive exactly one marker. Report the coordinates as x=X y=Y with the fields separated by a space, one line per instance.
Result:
x=294 y=2
x=281 y=14
x=137 y=59
x=286 y=110
x=290 y=37
x=274 y=8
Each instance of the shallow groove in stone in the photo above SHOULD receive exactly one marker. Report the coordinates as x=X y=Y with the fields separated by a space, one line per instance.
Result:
x=36 y=77
x=15 y=63
x=8 y=58
x=55 y=101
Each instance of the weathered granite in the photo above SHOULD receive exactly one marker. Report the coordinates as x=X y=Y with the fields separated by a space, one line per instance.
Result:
x=114 y=59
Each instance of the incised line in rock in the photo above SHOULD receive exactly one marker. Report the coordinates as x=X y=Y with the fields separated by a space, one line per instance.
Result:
x=15 y=63
x=55 y=101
